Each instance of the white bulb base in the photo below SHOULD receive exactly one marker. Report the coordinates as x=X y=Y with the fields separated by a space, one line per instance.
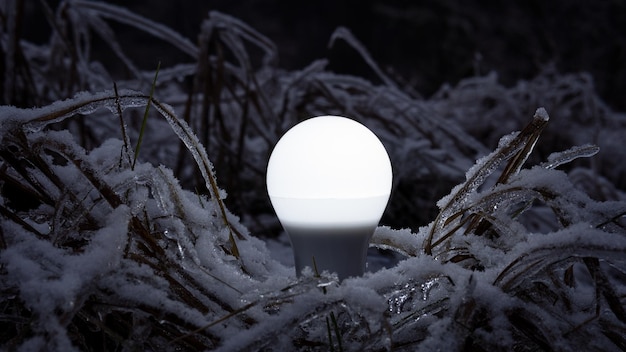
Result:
x=332 y=249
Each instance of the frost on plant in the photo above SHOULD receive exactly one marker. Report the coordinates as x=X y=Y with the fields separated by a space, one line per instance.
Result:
x=90 y=245
x=526 y=252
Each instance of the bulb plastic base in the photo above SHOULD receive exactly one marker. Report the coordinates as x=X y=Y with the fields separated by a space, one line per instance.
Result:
x=340 y=250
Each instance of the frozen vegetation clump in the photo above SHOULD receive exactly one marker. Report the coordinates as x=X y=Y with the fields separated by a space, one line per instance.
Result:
x=526 y=252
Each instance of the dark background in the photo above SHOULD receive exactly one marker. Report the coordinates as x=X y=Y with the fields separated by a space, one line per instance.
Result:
x=432 y=42
x=423 y=44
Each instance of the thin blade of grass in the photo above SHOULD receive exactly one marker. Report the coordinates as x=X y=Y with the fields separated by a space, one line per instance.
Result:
x=337 y=331
x=330 y=336
x=145 y=116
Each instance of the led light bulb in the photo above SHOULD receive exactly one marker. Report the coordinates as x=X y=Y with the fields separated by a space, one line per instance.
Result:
x=329 y=181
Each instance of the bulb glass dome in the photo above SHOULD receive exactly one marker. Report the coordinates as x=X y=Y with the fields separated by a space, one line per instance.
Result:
x=329 y=171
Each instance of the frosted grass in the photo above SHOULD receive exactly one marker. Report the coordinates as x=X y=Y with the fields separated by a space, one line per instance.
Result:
x=527 y=251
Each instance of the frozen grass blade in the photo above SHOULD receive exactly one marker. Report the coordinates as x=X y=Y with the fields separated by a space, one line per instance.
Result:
x=517 y=150
x=557 y=159
x=199 y=154
x=337 y=330
x=345 y=34
x=122 y=15
x=530 y=135
x=126 y=149
x=331 y=344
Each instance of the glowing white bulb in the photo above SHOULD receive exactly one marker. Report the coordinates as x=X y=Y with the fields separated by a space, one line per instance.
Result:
x=329 y=181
